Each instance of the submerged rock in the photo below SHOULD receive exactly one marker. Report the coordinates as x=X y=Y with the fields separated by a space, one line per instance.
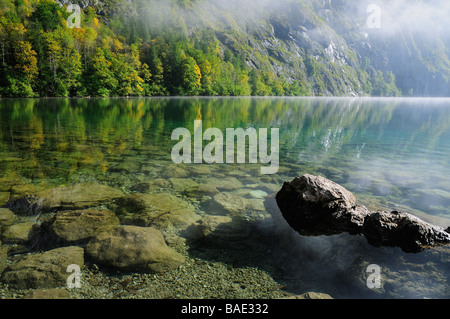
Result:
x=20 y=233
x=4 y=197
x=257 y=193
x=225 y=184
x=148 y=187
x=182 y=184
x=80 y=225
x=134 y=248
x=235 y=204
x=6 y=218
x=77 y=196
x=314 y=205
x=3 y=255
x=222 y=231
x=202 y=169
x=201 y=190
x=25 y=205
x=43 y=270
x=228 y=203
x=162 y=210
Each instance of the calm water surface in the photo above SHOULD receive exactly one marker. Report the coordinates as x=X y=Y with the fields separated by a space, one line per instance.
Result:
x=391 y=153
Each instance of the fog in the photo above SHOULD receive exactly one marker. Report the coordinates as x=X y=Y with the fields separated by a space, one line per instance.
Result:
x=419 y=16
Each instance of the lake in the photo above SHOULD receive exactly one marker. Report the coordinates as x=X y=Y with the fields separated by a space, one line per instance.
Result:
x=391 y=153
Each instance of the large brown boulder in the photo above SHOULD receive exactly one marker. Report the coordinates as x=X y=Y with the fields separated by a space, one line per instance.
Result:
x=314 y=205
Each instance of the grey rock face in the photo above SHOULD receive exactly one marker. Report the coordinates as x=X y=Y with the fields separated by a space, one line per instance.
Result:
x=314 y=205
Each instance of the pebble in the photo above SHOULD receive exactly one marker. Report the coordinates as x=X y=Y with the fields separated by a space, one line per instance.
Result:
x=193 y=280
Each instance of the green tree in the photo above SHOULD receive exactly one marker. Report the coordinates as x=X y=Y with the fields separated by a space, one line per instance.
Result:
x=100 y=78
x=48 y=15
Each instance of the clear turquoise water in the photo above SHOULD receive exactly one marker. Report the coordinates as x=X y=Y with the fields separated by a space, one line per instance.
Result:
x=394 y=150
x=391 y=153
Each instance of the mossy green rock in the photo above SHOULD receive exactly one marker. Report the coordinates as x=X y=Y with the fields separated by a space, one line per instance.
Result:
x=19 y=233
x=235 y=204
x=182 y=184
x=4 y=197
x=78 y=196
x=228 y=203
x=134 y=248
x=72 y=197
x=3 y=255
x=80 y=225
x=225 y=184
x=201 y=190
x=43 y=270
x=162 y=210
x=6 y=218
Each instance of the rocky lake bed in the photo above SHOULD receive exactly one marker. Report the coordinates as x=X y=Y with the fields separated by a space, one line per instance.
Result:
x=189 y=238
x=132 y=244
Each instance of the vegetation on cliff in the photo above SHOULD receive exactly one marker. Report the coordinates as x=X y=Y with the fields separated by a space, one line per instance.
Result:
x=157 y=48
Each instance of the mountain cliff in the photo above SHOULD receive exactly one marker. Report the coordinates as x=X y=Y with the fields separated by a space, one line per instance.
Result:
x=217 y=47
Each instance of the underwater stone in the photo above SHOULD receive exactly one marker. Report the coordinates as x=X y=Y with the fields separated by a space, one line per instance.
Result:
x=182 y=184
x=81 y=225
x=43 y=270
x=134 y=248
x=19 y=233
x=3 y=256
x=76 y=196
x=4 y=197
x=161 y=210
x=6 y=218
x=258 y=194
x=222 y=231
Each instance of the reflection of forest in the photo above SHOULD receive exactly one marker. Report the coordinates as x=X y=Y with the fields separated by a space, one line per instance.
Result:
x=66 y=134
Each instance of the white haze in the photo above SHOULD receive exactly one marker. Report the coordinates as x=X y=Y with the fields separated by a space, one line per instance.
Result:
x=430 y=17
x=419 y=17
